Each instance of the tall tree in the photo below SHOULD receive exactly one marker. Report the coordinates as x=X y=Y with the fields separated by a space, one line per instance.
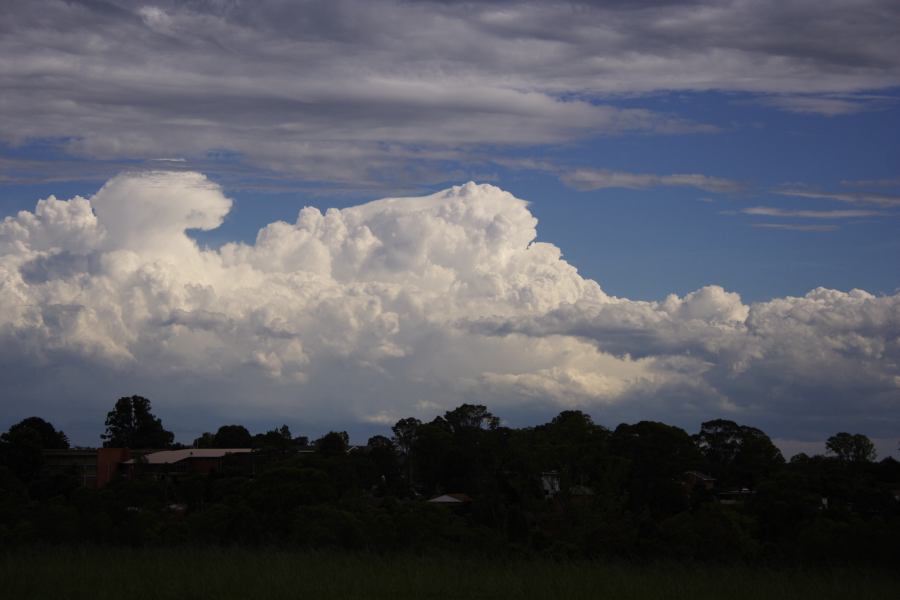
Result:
x=851 y=447
x=406 y=432
x=131 y=425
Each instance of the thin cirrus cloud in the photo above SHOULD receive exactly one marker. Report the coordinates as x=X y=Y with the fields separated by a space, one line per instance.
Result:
x=401 y=307
x=358 y=90
x=793 y=227
x=768 y=211
x=595 y=179
x=829 y=105
x=883 y=200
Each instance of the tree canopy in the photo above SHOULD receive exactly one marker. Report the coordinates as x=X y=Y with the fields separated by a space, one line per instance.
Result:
x=737 y=455
x=50 y=438
x=232 y=436
x=855 y=448
x=131 y=425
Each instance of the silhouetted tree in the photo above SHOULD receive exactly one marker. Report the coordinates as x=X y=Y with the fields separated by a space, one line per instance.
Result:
x=50 y=438
x=131 y=425
x=470 y=416
x=232 y=436
x=855 y=448
x=658 y=455
x=333 y=443
x=21 y=448
x=20 y=451
x=737 y=455
x=405 y=435
x=207 y=440
x=279 y=439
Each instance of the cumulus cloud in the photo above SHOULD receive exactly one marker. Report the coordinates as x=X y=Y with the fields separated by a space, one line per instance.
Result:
x=399 y=307
x=357 y=90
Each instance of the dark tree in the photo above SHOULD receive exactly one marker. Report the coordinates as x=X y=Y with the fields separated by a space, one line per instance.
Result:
x=576 y=446
x=20 y=451
x=279 y=439
x=657 y=455
x=333 y=443
x=207 y=440
x=50 y=438
x=21 y=448
x=405 y=436
x=471 y=416
x=405 y=432
x=131 y=425
x=737 y=455
x=232 y=436
x=855 y=448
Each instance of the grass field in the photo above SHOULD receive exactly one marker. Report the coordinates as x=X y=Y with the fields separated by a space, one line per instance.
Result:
x=221 y=574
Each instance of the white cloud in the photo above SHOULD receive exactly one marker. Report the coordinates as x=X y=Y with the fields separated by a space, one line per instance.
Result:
x=379 y=310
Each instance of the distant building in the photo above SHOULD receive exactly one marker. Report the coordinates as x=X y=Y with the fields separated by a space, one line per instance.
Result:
x=451 y=499
x=189 y=460
x=696 y=479
x=95 y=467
x=82 y=461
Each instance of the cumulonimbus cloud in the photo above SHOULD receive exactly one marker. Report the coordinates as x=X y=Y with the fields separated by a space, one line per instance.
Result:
x=400 y=306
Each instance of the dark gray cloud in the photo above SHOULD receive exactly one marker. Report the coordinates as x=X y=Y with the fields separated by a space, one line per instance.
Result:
x=356 y=91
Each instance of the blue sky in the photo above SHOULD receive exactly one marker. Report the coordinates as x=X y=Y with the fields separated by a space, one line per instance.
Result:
x=663 y=147
x=677 y=238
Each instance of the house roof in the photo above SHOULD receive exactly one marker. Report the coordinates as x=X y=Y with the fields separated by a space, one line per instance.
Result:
x=451 y=499
x=164 y=457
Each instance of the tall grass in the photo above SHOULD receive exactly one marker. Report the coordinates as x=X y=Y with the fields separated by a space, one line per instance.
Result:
x=221 y=574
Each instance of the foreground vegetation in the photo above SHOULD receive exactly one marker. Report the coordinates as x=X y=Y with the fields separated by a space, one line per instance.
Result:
x=221 y=573
x=569 y=490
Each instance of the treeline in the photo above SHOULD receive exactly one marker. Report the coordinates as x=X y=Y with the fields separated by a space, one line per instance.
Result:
x=567 y=488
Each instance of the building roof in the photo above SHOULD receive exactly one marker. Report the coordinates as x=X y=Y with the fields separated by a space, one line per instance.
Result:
x=164 y=457
x=451 y=499
x=700 y=476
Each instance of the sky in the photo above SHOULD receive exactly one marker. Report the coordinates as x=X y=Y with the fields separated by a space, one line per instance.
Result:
x=335 y=214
